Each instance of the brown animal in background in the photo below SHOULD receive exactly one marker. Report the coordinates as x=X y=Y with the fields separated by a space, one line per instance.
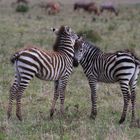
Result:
x=13 y=4
x=89 y=7
x=93 y=8
x=22 y=1
x=110 y=8
x=52 y=8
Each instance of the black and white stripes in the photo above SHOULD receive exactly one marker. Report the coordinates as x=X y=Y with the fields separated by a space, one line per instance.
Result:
x=56 y=65
x=121 y=66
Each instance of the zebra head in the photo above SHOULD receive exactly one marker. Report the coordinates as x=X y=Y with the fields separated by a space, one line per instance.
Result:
x=79 y=50
x=67 y=31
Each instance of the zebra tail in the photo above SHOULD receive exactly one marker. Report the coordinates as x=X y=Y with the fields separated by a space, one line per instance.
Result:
x=133 y=53
x=137 y=60
x=14 y=57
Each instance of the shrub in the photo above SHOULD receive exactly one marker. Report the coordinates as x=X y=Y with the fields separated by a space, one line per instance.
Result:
x=91 y=35
x=22 y=8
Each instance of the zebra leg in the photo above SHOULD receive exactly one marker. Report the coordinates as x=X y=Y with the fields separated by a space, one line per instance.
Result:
x=133 y=102
x=22 y=86
x=18 y=102
x=132 y=84
x=62 y=87
x=92 y=84
x=13 y=91
x=56 y=95
x=126 y=96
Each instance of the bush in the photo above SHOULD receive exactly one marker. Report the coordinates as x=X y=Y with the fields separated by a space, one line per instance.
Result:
x=22 y=8
x=91 y=35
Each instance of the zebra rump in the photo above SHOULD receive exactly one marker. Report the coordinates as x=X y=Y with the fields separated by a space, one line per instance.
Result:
x=14 y=57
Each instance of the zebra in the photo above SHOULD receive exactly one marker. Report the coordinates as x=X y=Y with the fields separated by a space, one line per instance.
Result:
x=56 y=65
x=121 y=66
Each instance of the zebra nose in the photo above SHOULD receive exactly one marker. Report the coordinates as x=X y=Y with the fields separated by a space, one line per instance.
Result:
x=52 y=29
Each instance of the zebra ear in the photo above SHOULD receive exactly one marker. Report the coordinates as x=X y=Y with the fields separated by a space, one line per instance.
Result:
x=80 y=38
x=55 y=30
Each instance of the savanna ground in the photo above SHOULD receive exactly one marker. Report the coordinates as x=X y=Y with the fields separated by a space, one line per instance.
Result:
x=114 y=33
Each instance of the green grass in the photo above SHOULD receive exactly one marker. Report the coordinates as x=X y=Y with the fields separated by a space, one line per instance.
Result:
x=117 y=33
x=23 y=8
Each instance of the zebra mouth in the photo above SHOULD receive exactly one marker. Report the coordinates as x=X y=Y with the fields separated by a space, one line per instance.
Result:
x=75 y=63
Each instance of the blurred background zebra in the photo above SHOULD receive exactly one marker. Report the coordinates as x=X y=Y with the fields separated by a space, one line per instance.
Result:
x=121 y=66
x=56 y=65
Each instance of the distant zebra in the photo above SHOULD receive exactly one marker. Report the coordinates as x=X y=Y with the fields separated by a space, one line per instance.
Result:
x=56 y=65
x=122 y=67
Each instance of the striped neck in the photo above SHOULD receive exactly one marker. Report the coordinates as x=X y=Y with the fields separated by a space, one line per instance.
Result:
x=65 y=45
x=91 y=51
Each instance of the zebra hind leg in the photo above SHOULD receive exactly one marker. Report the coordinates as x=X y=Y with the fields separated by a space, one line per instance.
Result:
x=133 y=102
x=18 y=102
x=12 y=95
x=126 y=96
x=132 y=84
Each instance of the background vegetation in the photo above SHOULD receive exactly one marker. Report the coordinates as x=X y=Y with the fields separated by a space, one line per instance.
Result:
x=112 y=33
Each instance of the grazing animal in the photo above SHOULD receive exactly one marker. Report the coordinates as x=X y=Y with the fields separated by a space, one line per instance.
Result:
x=109 y=7
x=89 y=7
x=52 y=8
x=56 y=66
x=18 y=2
x=22 y=1
x=122 y=67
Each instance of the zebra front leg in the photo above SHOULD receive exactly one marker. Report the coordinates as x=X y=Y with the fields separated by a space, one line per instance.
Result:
x=92 y=84
x=62 y=99
x=12 y=95
x=126 y=96
x=94 y=106
x=62 y=88
x=56 y=95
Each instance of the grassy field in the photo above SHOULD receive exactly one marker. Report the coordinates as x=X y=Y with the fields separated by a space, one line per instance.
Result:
x=115 y=33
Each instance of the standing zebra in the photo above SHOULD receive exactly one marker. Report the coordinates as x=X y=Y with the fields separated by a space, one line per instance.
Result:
x=55 y=66
x=122 y=67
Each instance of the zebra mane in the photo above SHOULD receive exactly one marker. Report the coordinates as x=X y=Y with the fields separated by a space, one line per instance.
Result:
x=128 y=51
x=56 y=44
x=92 y=45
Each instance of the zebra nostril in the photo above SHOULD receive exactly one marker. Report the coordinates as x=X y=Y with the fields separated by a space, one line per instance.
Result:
x=53 y=29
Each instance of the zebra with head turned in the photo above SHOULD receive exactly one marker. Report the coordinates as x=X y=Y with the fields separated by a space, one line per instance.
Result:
x=122 y=67
x=55 y=65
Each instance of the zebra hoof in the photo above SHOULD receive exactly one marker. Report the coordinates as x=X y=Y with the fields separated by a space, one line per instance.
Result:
x=92 y=116
x=51 y=113
x=19 y=117
x=121 y=120
x=8 y=115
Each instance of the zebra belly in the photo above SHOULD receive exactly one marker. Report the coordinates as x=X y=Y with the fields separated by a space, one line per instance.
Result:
x=105 y=79
x=47 y=77
x=50 y=75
